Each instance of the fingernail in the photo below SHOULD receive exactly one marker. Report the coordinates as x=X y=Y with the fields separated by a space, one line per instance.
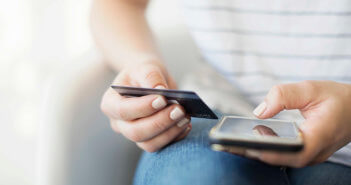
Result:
x=176 y=113
x=160 y=87
x=172 y=102
x=159 y=103
x=253 y=153
x=183 y=122
x=187 y=129
x=260 y=109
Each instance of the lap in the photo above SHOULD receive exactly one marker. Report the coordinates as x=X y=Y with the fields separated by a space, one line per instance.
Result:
x=324 y=173
x=191 y=161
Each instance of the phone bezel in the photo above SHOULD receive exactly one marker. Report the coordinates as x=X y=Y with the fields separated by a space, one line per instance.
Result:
x=261 y=143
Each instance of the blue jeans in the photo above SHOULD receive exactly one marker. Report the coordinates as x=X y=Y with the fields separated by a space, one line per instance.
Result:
x=191 y=161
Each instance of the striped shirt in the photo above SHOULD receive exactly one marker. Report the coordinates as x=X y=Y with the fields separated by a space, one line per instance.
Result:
x=258 y=44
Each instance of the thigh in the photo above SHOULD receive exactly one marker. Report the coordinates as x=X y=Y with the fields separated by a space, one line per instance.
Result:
x=325 y=173
x=191 y=161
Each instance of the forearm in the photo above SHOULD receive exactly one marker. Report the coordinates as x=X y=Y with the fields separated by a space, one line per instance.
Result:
x=122 y=33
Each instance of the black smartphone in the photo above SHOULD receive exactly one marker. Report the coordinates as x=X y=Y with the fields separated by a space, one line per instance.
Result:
x=252 y=133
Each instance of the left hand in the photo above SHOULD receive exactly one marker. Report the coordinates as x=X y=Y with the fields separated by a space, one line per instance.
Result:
x=326 y=107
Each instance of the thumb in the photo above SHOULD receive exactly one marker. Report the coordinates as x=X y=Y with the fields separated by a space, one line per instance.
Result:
x=286 y=96
x=152 y=77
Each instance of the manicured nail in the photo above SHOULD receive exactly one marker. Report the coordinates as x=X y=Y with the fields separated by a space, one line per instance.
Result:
x=176 y=113
x=172 y=102
x=187 y=129
x=159 y=103
x=160 y=87
x=260 y=109
x=253 y=153
x=183 y=122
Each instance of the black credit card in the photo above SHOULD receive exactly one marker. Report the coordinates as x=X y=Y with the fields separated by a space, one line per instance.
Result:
x=191 y=102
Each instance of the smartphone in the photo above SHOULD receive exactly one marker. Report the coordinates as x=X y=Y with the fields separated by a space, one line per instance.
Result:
x=252 y=133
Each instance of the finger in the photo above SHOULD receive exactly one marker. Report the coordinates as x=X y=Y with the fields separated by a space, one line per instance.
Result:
x=230 y=149
x=151 y=77
x=276 y=158
x=146 y=128
x=321 y=157
x=114 y=125
x=287 y=96
x=296 y=160
x=312 y=148
x=163 y=139
x=118 y=107
x=184 y=133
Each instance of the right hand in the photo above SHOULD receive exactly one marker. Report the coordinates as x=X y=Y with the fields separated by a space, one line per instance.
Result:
x=148 y=120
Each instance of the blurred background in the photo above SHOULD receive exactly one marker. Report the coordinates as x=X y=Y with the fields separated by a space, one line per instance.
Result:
x=39 y=41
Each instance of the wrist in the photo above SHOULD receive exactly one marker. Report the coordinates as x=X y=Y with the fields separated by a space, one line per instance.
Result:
x=142 y=58
x=148 y=60
x=118 y=64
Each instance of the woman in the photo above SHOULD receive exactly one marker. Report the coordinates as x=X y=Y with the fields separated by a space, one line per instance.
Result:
x=267 y=50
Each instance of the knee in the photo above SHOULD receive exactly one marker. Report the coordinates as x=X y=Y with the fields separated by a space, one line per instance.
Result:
x=190 y=161
x=178 y=162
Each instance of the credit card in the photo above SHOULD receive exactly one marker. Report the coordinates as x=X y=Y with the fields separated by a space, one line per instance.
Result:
x=191 y=102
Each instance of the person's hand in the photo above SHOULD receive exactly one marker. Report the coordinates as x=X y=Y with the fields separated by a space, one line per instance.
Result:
x=148 y=120
x=326 y=107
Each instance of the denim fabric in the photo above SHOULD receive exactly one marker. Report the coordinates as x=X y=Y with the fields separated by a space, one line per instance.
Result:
x=191 y=161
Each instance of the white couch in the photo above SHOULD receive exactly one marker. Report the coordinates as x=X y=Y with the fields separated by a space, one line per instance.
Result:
x=76 y=144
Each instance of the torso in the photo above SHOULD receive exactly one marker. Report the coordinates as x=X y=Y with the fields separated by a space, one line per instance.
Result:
x=259 y=44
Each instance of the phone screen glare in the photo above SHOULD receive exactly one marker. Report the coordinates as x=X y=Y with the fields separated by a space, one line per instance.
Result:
x=258 y=128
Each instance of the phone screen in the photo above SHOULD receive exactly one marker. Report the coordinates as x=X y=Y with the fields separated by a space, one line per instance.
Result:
x=259 y=128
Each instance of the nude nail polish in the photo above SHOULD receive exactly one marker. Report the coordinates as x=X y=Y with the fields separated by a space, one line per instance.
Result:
x=176 y=113
x=260 y=109
x=159 y=103
x=253 y=153
x=160 y=87
x=183 y=122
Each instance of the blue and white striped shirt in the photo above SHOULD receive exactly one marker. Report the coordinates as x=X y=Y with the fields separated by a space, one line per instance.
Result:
x=258 y=44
